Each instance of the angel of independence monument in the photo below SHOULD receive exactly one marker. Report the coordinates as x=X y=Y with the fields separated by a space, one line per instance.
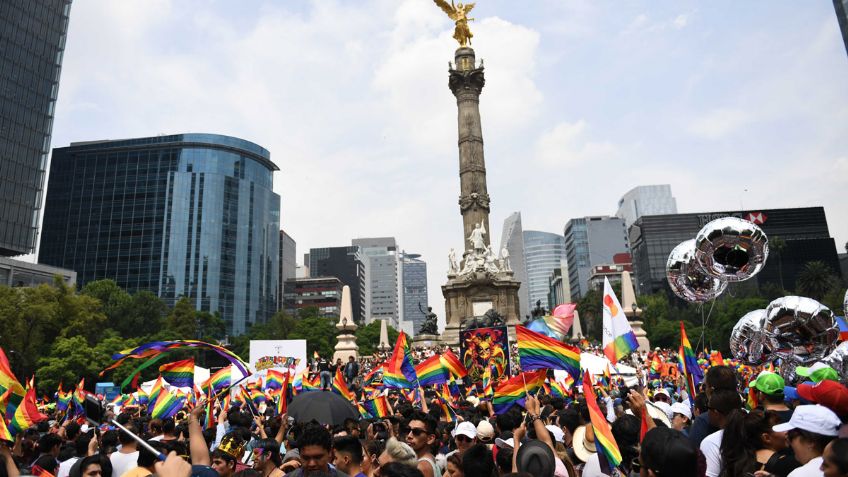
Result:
x=480 y=290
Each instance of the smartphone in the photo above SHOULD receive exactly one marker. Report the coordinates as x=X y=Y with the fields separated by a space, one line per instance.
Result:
x=94 y=410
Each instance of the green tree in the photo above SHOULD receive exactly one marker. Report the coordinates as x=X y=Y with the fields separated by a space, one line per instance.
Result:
x=319 y=333
x=368 y=337
x=116 y=304
x=146 y=316
x=816 y=280
x=73 y=358
x=181 y=322
x=778 y=245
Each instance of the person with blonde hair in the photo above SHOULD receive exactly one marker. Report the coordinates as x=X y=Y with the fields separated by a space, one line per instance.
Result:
x=397 y=451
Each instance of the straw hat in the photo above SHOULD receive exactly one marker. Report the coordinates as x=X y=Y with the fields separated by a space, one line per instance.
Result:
x=584 y=442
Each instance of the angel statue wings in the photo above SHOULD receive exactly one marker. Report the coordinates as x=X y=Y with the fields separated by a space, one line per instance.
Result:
x=459 y=14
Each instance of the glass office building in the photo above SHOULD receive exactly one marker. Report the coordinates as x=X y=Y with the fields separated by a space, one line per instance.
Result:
x=414 y=287
x=543 y=252
x=32 y=40
x=183 y=215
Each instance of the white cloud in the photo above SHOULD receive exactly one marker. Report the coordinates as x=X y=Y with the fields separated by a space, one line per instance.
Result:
x=566 y=144
x=720 y=122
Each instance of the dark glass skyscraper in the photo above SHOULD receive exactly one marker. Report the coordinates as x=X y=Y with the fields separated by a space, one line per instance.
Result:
x=185 y=215
x=32 y=40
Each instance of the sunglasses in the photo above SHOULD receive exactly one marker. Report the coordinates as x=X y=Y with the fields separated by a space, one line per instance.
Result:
x=463 y=438
x=417 y=432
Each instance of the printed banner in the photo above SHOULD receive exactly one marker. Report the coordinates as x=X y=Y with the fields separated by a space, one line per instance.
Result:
x=483 y=347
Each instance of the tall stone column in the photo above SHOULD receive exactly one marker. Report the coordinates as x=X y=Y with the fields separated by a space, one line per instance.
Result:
x=466 y=82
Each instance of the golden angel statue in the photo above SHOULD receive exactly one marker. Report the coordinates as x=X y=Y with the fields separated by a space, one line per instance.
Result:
x=459 y=14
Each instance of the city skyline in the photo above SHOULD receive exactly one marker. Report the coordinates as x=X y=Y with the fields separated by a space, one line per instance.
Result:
x=723 y=111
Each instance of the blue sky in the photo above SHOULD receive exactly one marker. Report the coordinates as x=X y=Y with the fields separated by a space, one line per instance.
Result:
x=732 y=103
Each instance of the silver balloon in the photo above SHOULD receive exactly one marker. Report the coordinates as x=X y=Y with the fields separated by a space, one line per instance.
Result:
x=800 y=329
x=686 y=278
x=746 y=339
x=838 y=359
x=731 y=248
x=787 y=371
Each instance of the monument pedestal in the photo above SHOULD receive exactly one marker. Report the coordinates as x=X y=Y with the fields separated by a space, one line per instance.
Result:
x=472 y=296
x=421 y=341
x=346 y=347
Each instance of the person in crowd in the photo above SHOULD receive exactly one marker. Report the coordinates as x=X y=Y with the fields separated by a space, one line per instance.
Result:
x=348 y=456
x=465 y=435
x=372 y=450
x=454 y=466
x=315 y=445
x=267 y=459
x=723 y=404
x=127 y=456
x=485 y=433
x=351 y=370
x=750 y=444
x=835 y=458
x=421 y=436
x=828 y=393
x=681 y=416
x=226 y=457
x=325 y=371
x=717 y=378
x=146 y=460
x=768 y=388
x=666 y=452
x=809 y=431
x=478 y=461
x=396 y=469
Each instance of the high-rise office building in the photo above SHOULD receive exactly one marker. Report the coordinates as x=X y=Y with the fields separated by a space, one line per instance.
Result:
x=512 y=239
x=591 y=241
x=646 y=200
x=413 y=289
x=346 y=264
x=543 y=252
x=288 y=265
x=804 y=230
x=324 y=293
x=841 y=7
x=184 y=215
x=380 y=257
x=32 y=41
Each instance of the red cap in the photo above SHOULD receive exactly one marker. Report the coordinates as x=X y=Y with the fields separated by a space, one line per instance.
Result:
x=828 y=393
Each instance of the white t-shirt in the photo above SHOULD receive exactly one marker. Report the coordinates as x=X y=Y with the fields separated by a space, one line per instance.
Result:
x=65 y=467
x=593 y=467
x=810 y=469
x=711 y=447
x=123 y=462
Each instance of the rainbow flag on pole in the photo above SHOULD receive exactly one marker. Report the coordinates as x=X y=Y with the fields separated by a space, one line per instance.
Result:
x=619 y=340
x=274 y=379
x=166 y=405
x=179 y=373
x=222 y=378
x=514 y=391
x=689 y=364
x=537 y=351
x=339 y=386
x=26 y=415
x=399 y=371
x=608 y=454
x=453 y=364
x=377 y=407
x=431 y=371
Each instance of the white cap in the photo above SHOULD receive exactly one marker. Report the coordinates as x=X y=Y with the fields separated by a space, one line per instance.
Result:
x=504 y=443
x=680 y=408
x=474 y=400
x=664 y=407
x=662 y=391
x=466 y=429
x=812 y=418
x=485 y=430
x=556 y=431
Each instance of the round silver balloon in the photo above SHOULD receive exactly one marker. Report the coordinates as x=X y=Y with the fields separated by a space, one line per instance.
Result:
x=746 y=339
x=838 y=359
x=686 y=278
x=787 y=370
x=731 y=248
x=801 y=329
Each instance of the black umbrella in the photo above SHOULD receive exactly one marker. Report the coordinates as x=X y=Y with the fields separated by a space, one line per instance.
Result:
x=323 y=406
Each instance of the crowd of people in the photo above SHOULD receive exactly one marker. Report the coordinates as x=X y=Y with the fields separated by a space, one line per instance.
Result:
x=742 y=421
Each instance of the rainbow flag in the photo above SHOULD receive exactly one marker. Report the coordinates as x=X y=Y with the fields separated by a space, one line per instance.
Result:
x=608 y=453
x=5 y=433
x=210 y=404
x=142 y=397
x=537 y=351
x=514 y=391
x=313 y=384
x=274 y=379
x=455 y=392
x=165 y=406
x=656 y=366
x=447 y=410
x=558 y=389
x=399 y=371
x=752 y=398
x=431 y=371
x=619 y=340
x=843 y=327
x=689 y=364
x=716 y=359
x=62 y=400
x=488 y=389
x=377 y=407
x=557 y=324
x=221 y=379
x=257 y=396
x=339 y=386
x=26 y=414
x=282 y=399
x=315 y=355
x=453 y=364
x=179 y=373
x=156 y=390
x=79 y=397
x=363 y=413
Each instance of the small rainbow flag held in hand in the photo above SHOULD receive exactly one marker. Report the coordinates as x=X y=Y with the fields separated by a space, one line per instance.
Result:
x=339 y=386
x=179 y=373
x=453 y=364
x=399 y=371
x=274 y=379
x=689 y=364
x=222 y=378
x=377 y=407
x=619 y=340
x=431 y=371
x=514 y=391
x=608 y=454
x=447 y=410
x=656 y=366
x=282 y=398
x=488 y=388
x=537 y=351
x=26 y=415
x=558 y=389
x=166 y=405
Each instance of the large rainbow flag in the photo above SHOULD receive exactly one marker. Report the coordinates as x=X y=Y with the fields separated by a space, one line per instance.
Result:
x=538 y=351
x=399 y=371
x=274 y=379
x=514 y=391
x=179 y=373
x=619 y=339
x=689 y=364
x=26 y=414
x=339 y=386
x=166 y=405
x=377 y=407
x=222 y=378
x=431 y=371
x=453 y=364
x=608 y=454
